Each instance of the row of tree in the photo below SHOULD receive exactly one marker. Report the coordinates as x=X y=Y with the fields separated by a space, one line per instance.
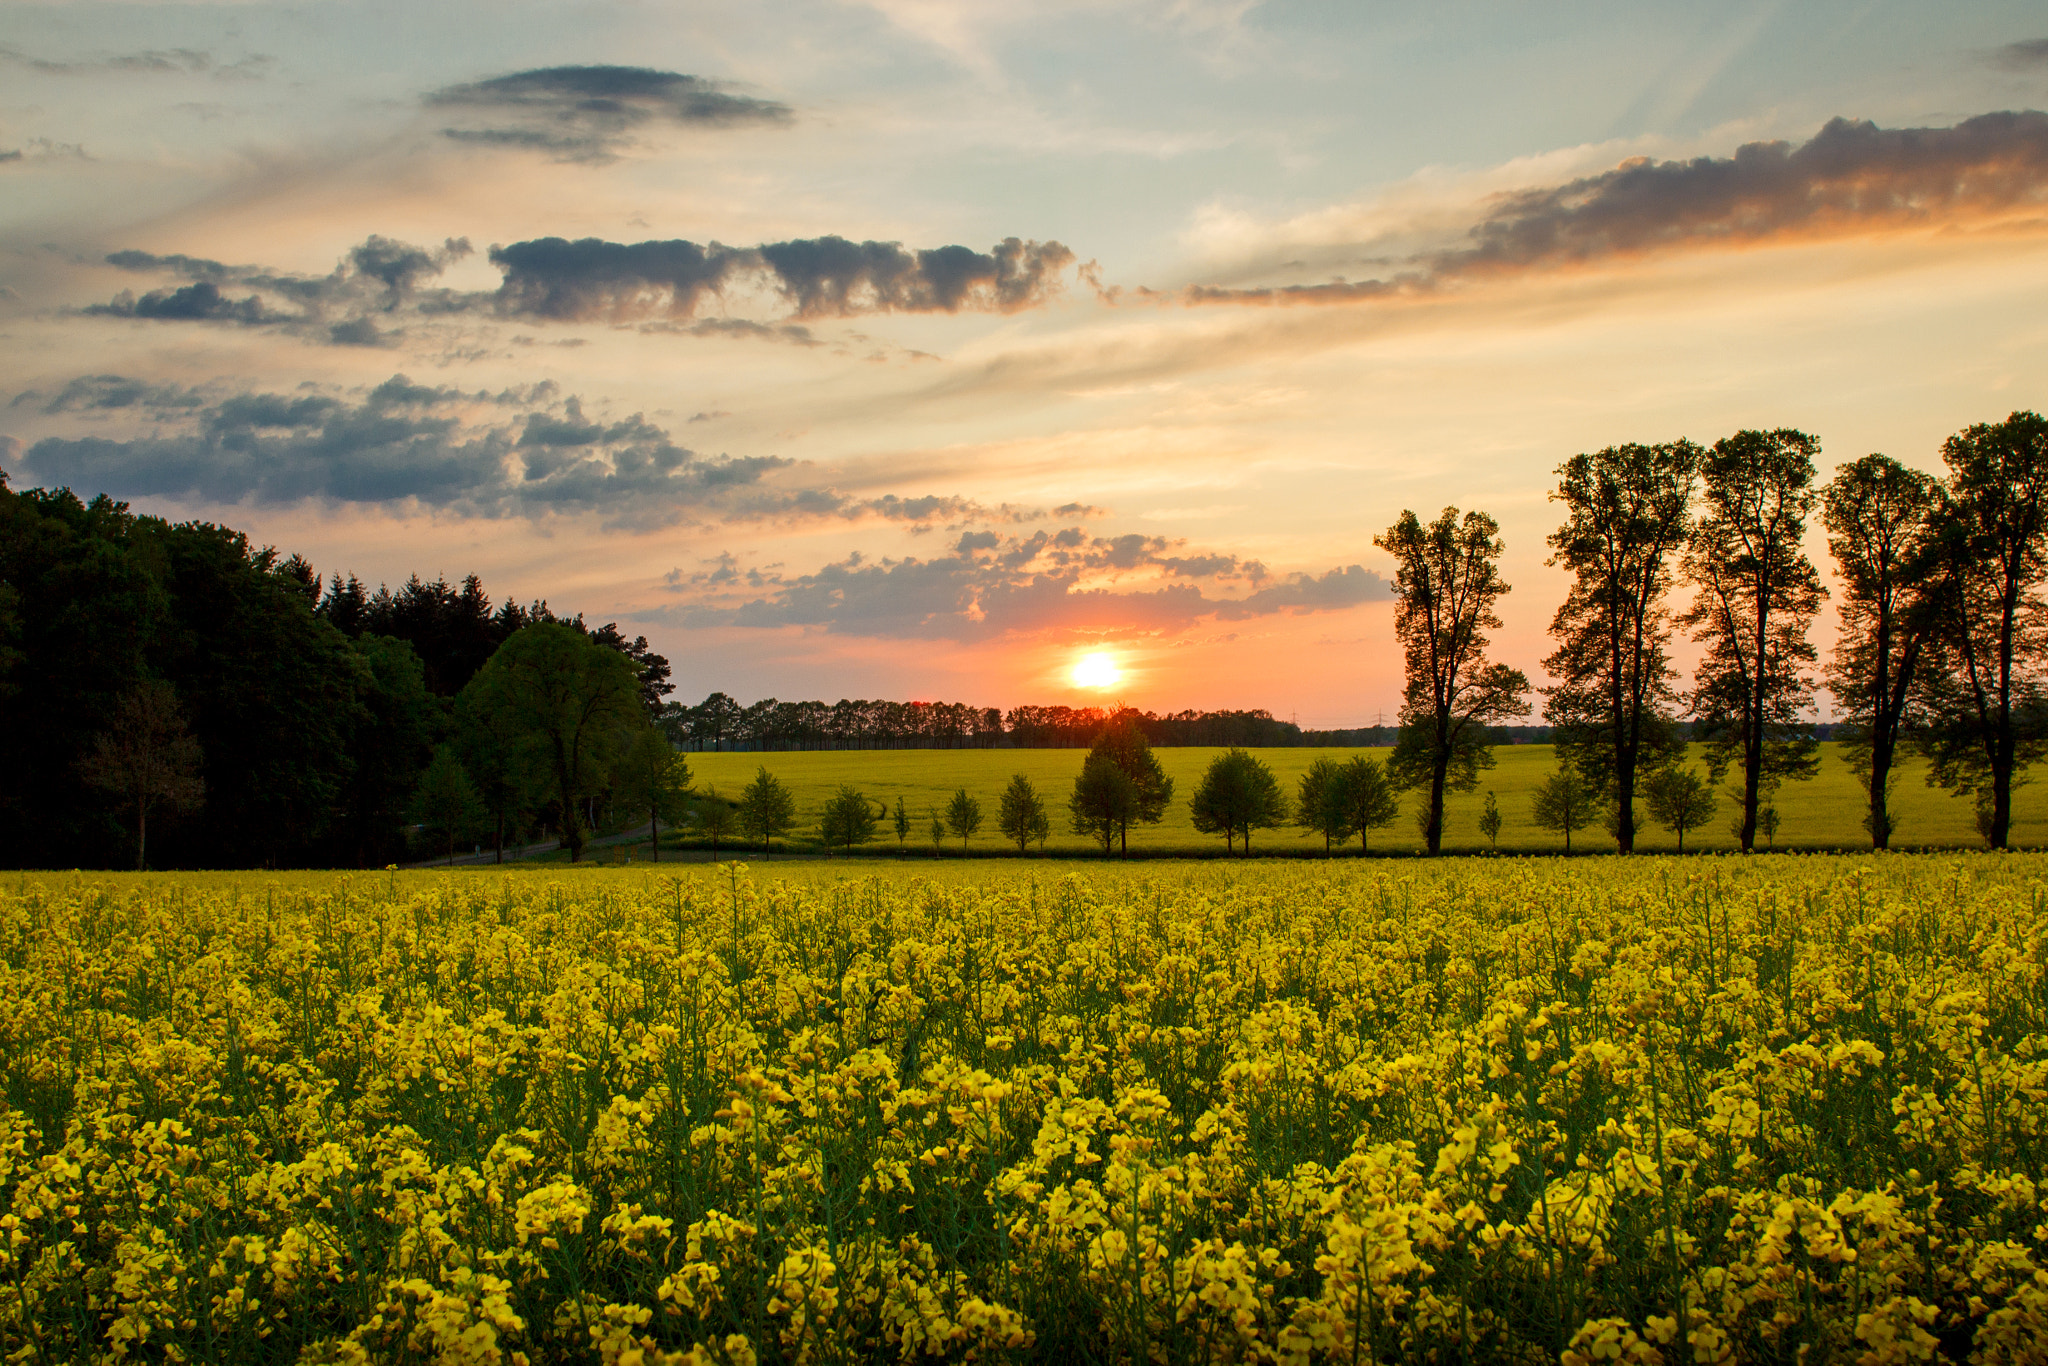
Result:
x=1943 y=647
x=720 y=723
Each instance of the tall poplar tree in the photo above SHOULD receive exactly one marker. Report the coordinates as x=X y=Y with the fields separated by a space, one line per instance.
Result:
x=1446 y=582
x=1989 y=712
x=1626 y=520
x=1756 y=594
x=1880 y=520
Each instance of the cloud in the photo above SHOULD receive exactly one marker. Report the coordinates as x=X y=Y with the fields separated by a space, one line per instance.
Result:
x=989 y=585
x=103 y=393
x=402 y=443
x=180 y=61
x=380 y=277
x=659 y=286
x=590 y=113
x=592 y=279
x=2031 y=55
x=1851 y=177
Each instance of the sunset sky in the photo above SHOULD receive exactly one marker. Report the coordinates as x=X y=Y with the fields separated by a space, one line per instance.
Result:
x=919 y=348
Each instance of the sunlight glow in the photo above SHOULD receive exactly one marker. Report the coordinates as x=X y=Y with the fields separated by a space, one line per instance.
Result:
x=1096 y=671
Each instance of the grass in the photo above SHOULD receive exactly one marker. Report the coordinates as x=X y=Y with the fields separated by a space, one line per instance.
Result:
x=1825 y=813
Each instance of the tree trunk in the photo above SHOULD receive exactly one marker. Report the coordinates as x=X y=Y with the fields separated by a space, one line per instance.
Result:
x=141 y=836
x=653 y=837
x=501 y=837
x=1624 y=800
x=1433 y=834
x=1880 y=775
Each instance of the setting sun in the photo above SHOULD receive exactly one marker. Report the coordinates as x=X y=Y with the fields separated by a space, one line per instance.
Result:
x=1096 y=671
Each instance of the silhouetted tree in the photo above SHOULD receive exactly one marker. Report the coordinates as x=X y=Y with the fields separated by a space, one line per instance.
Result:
x=1755 y=597
x=1880 y=520
x=1446 y=582
x=1613 y=704
x=1988 y=717
x=1122 y=742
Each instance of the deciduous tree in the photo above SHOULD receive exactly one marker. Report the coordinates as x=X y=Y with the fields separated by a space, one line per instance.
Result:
x=1021 y=816
x=650 y=776
x=1880 y=518
x=1237 y=794
x=1489 y=821
x=1319 y=802
x=847 y=820
x=1446 y=583
x=1564 y=802
x=1123 y=744
x=767 y=808
x=568 y=701
x=1368 y=795
x=714 y=815
x=147 y=757
x=1988 y=712
x=963 y=816
x=1612 y=707
x=446 y=804
x=1681 y=800
x=1755 y=597
x=1104 y=801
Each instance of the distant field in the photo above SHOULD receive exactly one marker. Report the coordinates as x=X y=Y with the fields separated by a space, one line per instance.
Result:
x=1823 y=814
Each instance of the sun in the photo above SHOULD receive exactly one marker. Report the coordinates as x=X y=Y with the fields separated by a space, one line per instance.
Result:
x=1096 y=671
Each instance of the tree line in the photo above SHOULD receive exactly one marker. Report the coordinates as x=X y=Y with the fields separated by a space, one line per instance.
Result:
x=719 y=723
x=1942 y=652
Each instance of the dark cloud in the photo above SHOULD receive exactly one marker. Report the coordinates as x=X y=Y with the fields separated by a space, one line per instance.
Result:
x=589 y=113
x=2031 y=55
x=1850 y=177
x=402 y=443
x=659 y=286
x=991 y=586
x=380 y=277
x=11 y=154
x=592 y=279
x=1079 y=510
x=102 y=393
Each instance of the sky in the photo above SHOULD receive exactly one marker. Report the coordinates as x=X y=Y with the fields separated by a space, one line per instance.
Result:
x=919 y=348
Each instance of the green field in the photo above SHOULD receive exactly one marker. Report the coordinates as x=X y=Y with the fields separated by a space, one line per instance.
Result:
x=1823 y=814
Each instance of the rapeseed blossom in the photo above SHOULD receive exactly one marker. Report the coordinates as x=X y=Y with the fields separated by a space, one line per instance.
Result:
x=1588 y=1112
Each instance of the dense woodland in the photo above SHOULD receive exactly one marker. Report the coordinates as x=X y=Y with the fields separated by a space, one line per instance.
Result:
x=261 y=716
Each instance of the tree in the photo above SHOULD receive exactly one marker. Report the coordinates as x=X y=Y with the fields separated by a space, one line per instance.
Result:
x=1104 y=801
x=1446 y=582
x=938 y=830
x=1984 y=691
x=1369 y=797
x=1123 y=743
x=1756 y=596
x=148 y=758
x=1767 y=823
x=1565 y=802
x=1021 y=816
x=1880 y=520
x=506 y=772
x=714 y=815
x=902 y=823
x=767 y=808
x=446 y=804
x=1612 y=707
x=963 y=816
x=1237 y=793
x=847 y=820
x=1319 y=802
x=1489 y=821
x=651 y=776
x=568 y=702
x=1681 y=800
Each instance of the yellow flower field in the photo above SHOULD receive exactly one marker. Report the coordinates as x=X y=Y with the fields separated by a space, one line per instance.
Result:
x=1776 y=1109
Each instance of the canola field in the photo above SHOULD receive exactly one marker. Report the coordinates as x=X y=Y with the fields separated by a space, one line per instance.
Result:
x=1767 y=1110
